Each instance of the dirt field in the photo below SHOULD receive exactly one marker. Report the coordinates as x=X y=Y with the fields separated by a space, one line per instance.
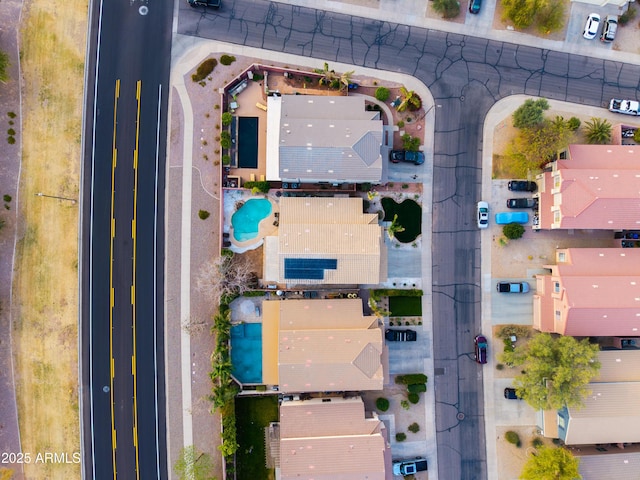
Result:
x=46 y=282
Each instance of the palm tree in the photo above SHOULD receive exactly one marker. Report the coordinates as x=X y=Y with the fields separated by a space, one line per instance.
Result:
x=598 y=131
x=327 y=76
x=410 y=100
x=394 y=228
x=345 y=79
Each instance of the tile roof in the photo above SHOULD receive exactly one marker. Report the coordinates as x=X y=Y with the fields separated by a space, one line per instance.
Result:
x=331 y=440
x=323 y=138
x=620 y=465
x=323 y=345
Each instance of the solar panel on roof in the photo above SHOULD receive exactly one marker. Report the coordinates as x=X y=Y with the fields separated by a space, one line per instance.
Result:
x=308 y=268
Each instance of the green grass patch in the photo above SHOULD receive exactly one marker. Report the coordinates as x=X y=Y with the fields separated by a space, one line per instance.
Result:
x=405 y=306
x=252 y=415
x=409 y=216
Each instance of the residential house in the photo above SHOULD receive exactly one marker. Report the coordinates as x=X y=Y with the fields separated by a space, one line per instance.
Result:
x=591 y=187
x=590 y=292
x=331 y=439
x=321 y=345
x=616 y=464
x=331 y=139
x=611 y=411
x=324 y=241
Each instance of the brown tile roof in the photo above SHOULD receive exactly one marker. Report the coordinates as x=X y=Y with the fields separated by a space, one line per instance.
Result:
x=331 y=440
x=322 y=345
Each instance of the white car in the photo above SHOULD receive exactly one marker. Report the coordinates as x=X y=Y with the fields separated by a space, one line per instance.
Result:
x=483 y=215
x=591 y=27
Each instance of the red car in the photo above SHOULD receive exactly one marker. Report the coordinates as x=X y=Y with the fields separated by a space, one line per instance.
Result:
x=480 y=349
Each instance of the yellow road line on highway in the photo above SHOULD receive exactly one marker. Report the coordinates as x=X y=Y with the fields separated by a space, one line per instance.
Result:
x=133 y=287
x=114 y=156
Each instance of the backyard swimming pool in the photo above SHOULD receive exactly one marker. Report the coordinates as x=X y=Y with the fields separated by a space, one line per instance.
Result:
x=245 y=221
x=246 y=352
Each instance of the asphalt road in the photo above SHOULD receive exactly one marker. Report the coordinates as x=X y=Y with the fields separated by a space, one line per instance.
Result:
x=466 y=75
x=123 y=240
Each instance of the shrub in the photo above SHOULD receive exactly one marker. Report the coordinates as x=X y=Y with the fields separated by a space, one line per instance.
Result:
x=417 y=388
x=226 y=159
x=227 y=118
x=627 y=16
x=513 y=231
x=227 y=59
x=225 y=139
x=499 y=366
x=382 y=94
x=410 y=143
x=447 y=8
x=537 y=442
x=204 y=69
x=414 y=428
x=404 y=404
x=11 y=131
x=573 y=124
x=413 y=398
x=508 y=347
x=530 y=113
x=6 y=197
x=382 y=404
x=400 y=124
x=203 y=214
x=401 y=437
x=519 y=331
x=11 y=115
x=411 y=379
x=513 y=438
x=259 y=186
x=257 y=77
x=11 y=140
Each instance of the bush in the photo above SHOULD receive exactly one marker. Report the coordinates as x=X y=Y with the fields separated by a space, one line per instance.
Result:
x=6 y=197
x=204 y=69
x=11 y=114
x=257 y=77
x=11 y=140
x=259 y=186
x=573 y=124
x=404 y=404
x=11 y=131
x=417 y=388
x=227 y=59
x=413 y=398
x=513 y=438
x=226 y=159
x=382 y=94
x=227 y=118
x=499 y=366
x=519 y=331
x=507 y=345
x=447 y=8
x=382 y=404
x=401 y=437
x=410 y=143
x=400 y=124
x=411 y=379
x=203 y=214
x=627 y=16
x=225 y=139
x=414 y=428
x=530 y=113
x=537 y=442
x=513 y=231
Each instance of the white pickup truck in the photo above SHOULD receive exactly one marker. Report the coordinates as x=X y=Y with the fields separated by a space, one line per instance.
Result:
x=628 y=107
x=409 y=467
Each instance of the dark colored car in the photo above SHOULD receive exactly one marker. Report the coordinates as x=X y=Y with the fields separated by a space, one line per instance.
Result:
x=474 y=6
x=512 y=287
x=522 y=186
x=397 y=156
x=510 y=394
x=400 y=335
x=480 y=343
x=522 y=203
x=205 y=3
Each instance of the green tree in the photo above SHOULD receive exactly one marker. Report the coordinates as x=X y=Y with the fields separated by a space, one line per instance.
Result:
x=551 y=464
x=598 y=131
x=227 y=118
x=4 y=66
x=394 y=228
x=382 y=94
x=513 y=231
x=530 y=113
x=326 y=76
x=410 y=143
x=555 y=370
x=410 y=100
x=447 y=8
x=345 y=79
x=550 y=17
x=193 y=465
x=521 y=12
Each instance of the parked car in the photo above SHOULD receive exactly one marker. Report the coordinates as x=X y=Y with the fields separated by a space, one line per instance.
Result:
x=205 y=3
x=512 y=287
x=522 y=203
x=474 y=6
x=592 y=26
x=400 y=335
x=483 y=214
x=409 y=467
x=480 y=343
x=522 y=186
x=609 y=28
x=397 y=156
x=503 y=218
x=510 y=394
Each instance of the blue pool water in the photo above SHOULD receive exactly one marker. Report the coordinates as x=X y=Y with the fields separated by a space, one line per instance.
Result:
x=246 y=352
x=245 y=221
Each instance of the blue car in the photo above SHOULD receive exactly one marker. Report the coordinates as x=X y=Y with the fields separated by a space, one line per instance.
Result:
x=503 y=218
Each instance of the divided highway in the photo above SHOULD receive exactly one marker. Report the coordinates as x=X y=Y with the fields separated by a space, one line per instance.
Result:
x=122 y=281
